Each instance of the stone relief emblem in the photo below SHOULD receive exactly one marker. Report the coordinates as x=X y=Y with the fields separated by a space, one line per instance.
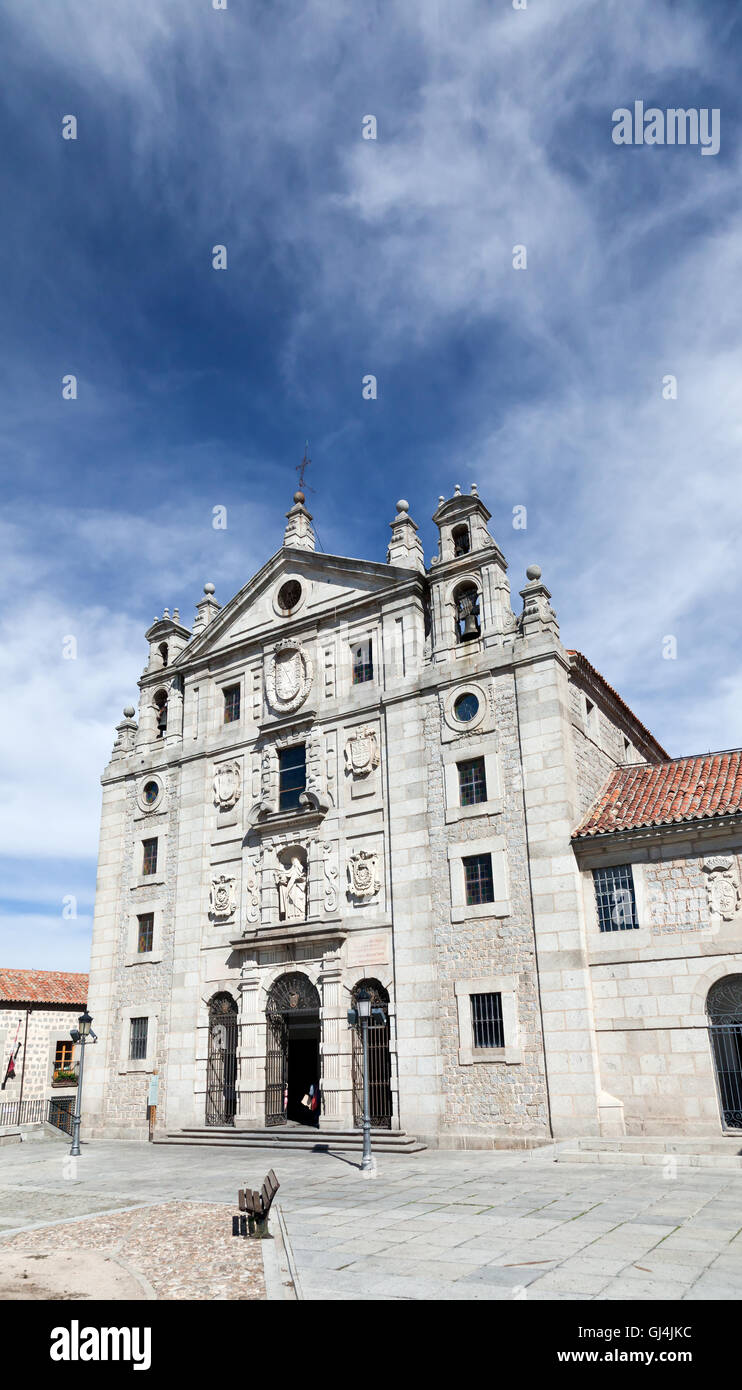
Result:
x=331 y=877
x=253 y=889
x=222 y=898
x=288 y=676
x=723 y=891
x=362 y=752
x=227 y=785
x=363 y=875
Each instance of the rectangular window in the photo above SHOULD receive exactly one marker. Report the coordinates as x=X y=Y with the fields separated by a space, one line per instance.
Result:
x=149 y=861
x=231 y=704
x=363 y=662
x=63 y=1056
x=472 y=782
x=478 y=879
x=614 y=895
x=292 y=776
x=138 y=1039
x=146 y=931
x=486 y=1020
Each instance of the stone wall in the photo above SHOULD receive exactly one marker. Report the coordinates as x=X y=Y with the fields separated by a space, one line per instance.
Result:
x=496 y=1099
x=46 y=1027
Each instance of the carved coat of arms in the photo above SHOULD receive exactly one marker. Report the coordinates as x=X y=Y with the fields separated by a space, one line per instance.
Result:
x=222 y=897
x=723 y=891
x=227 y=780
x=362 y=751
x=363 y=874
x=288 y=676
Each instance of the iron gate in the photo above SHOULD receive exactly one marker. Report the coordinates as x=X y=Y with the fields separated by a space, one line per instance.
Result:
x=379 y=1061
x=726 y=1045
x=221 y=1067
x=724 y=1008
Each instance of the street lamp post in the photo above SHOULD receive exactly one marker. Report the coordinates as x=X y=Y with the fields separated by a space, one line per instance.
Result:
x=82 y=1034
x=363 y=1004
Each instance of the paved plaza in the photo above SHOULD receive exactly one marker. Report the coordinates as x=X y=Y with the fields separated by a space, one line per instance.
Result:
x=437 y=1225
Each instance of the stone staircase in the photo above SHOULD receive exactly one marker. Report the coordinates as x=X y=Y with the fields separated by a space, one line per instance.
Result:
x=297 y=1138
x=722 y=1151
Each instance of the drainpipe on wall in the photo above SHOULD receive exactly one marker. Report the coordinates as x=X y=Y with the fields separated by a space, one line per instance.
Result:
x=23 y=1068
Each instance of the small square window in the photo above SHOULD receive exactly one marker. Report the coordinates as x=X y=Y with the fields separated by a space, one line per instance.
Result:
x=486 y=1020
x=146 y=932
x=138 y=1039
x=472 y=782
x=231 y=704
x=63 y=1056
x=292 y=776
x=149 y=861
x=478 y=879
x=614 y=896
x=363 y=662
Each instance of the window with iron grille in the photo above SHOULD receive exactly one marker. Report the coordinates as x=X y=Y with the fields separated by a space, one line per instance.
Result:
x=472 y=782
x=478 y=879
x=138 y=1039
x=614 y=895
x=63 y=1055
x=486 y=1020
x=292 y=776
x=363 y=662
x=146 y=931
x=231 y=704
x=149 y=861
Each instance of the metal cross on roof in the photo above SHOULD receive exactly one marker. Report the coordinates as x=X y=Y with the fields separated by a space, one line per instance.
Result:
x=300 y=467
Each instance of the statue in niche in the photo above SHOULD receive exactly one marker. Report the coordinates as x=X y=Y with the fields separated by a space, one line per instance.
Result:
x=292 y=891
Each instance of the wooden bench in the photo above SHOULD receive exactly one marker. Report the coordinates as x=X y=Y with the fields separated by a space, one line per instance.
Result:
x=256 y=1207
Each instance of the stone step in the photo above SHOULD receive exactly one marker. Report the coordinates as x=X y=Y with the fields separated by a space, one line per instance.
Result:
x=653 y=1151
x=299 y=1139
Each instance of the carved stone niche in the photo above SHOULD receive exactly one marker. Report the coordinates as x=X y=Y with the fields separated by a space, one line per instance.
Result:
x=227 y=785
x=288 y=677
x=223 y=897
x=723 y=890
x=363 y=875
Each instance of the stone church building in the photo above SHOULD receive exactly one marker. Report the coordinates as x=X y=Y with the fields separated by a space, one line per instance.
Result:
x=357 y=775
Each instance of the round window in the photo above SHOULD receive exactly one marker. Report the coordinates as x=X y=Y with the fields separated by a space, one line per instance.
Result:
x=466 y=707
x=150 y=793
x=289 y=595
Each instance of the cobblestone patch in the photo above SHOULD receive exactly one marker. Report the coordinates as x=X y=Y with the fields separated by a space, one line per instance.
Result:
x=184 y=1250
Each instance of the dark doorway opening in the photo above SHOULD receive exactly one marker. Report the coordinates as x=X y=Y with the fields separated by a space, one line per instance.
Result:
x=379 y=1060
x=221 y=1066
x=293 y=1056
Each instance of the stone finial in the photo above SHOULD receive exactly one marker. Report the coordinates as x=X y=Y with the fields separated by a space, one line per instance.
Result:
x=125 y=734
x=457 y=490
x=474 y=490
x=166 y=612
x=299 y=534
x=176 y=615
x=538 y=614
x=405 y=547
x=206 y=609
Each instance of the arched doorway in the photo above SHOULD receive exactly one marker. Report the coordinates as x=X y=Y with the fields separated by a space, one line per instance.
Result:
x=293 y=1054
x=724 y=1009
x=379 y=1060
x=221 y=1067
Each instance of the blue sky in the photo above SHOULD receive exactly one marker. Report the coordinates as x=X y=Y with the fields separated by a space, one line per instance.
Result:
x=346 y=256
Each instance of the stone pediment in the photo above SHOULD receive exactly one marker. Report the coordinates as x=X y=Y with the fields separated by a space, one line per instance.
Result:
x=294 y=586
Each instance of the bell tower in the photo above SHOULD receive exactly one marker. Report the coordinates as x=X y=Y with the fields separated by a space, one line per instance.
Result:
x=470 y=594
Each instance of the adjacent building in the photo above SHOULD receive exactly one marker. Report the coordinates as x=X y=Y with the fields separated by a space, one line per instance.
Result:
x=387 y=777
x=38 y=1011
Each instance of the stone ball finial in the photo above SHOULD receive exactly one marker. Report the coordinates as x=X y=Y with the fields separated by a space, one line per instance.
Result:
x=299 y=497
x=457 y=490
x=403 y=506
x=533 y=572
x=474 y=490
x=128 y=712
x=209 y=589
x=441 y=500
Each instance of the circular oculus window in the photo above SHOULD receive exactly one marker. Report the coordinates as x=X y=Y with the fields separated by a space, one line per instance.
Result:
x=289 y=595
x=150 y=793
x=466 y=707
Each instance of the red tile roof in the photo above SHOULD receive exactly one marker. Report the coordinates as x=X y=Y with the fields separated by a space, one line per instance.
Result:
x=43 y=987
x=581 y=664
x=683 y=789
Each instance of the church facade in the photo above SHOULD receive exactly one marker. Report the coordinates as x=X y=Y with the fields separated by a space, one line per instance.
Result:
x=380 y=776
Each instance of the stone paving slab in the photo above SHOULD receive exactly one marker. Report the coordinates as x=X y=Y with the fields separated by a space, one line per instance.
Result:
x=433 y=1226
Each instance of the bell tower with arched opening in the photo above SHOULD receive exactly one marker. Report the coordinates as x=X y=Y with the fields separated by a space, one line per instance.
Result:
x=469 y=590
